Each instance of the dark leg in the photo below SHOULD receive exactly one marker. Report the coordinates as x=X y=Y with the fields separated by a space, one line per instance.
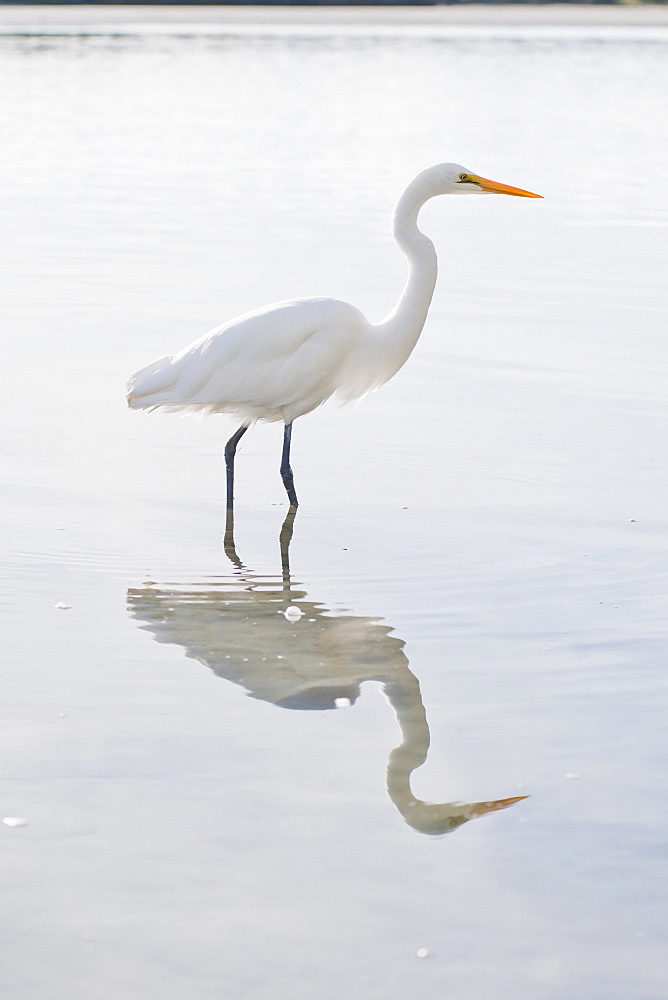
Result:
x=284 y=540
x=230 y=451
x=228 y=540
x=286 y=471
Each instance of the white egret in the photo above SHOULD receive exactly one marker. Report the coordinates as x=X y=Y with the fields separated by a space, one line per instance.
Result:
x=282 y=361
x=238 y=627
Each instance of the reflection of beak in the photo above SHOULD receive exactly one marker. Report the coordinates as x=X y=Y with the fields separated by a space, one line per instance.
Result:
x=496 y=188
x=481 y=808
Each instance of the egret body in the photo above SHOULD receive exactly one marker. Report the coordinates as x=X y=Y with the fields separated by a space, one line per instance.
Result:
x=284 y=360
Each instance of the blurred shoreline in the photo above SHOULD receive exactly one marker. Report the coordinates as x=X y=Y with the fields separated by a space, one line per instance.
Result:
x=50 y=16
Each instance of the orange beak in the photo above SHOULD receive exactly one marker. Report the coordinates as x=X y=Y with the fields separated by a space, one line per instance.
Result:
x=496 y=188
x=481 y=808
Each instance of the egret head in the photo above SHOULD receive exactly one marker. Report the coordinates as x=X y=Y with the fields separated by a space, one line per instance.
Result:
x=453 y=178
x=436 y=819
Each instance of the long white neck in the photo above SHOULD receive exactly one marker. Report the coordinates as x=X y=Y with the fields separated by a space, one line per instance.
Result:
x=403 y=693
x=402 y=327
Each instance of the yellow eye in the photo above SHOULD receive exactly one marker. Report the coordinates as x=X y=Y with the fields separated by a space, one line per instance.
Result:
x=463 y=177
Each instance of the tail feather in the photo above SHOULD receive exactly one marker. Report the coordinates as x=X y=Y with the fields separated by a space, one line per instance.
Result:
x=158 y=377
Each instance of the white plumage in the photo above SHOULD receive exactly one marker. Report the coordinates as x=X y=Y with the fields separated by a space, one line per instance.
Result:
x=275 y=363
x=282 y=361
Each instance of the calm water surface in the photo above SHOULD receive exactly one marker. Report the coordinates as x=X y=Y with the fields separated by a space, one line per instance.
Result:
x=225 y=801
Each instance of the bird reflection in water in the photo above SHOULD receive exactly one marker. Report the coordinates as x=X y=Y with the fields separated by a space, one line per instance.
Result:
x=238 y=627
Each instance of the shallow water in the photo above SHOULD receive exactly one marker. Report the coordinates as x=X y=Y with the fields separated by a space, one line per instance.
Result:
x=479 y=555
